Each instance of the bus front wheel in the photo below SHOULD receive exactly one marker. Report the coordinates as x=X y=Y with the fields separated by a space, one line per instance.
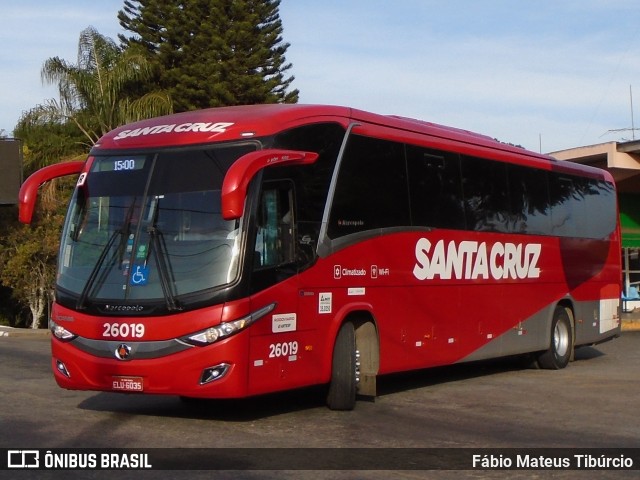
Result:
x=561 y=348
x=342 y=388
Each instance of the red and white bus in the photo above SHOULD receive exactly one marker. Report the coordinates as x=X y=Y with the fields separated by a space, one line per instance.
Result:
x=237 y=251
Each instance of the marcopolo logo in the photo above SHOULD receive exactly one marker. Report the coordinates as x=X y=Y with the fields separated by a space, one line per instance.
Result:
x=471 y=260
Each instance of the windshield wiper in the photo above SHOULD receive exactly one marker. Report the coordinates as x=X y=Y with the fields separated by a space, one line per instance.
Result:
x=80 y=305
x=165 y=272
x=123 y=233
x=161 y=256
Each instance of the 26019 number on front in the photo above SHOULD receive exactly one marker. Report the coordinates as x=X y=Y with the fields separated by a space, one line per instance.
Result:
x=283 y=349
x=123 y=330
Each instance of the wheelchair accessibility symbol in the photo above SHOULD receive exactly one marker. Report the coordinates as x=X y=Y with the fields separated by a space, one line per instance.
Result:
x=140 y=275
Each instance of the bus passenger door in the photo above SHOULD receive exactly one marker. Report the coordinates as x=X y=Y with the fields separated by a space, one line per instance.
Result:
x=276 y=341
x=274 y=255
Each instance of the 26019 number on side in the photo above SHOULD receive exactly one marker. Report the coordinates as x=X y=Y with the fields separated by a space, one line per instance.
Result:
x=283 y=349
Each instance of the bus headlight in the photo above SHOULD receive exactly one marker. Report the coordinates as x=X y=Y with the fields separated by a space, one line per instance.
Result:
x=213 y=334
x=226 y=329
x=60 y=332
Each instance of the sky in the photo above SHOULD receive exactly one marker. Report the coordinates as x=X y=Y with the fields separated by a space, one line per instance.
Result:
x=544 y=74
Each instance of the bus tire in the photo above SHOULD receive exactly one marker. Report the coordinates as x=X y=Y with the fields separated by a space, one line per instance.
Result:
x=561 y=347
x=342 y=387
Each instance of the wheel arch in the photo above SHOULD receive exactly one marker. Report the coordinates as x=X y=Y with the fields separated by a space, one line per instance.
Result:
x=561 y=338
x=569 y=307
x=367 y=344
x=368 y=347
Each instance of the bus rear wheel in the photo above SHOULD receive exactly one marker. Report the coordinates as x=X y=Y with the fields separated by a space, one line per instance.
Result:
x=344 y=378
x=561 y=348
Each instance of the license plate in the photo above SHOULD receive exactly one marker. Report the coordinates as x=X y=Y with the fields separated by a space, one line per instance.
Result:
x=127 y=384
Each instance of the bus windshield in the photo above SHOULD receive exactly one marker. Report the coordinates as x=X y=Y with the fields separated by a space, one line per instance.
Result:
x=148 y=228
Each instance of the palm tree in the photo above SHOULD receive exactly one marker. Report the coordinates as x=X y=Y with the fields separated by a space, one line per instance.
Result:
x=95 y=93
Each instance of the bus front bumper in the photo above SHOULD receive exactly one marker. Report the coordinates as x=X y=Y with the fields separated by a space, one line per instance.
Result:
x=215 y=371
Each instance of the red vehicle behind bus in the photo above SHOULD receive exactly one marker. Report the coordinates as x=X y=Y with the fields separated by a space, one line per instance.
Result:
x=237 y=251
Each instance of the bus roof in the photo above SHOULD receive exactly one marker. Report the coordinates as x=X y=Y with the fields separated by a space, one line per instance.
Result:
x=234 y=123
x=249 y=121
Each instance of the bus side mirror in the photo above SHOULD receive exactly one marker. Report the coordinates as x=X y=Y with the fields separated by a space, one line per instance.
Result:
x=29 y=189
x=236 y=181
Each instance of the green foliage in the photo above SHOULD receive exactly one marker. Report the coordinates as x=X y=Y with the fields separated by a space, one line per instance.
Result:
x=28 y=255
x=210 y=53
x=94 y=93
x=46 y=141
x=11 y=309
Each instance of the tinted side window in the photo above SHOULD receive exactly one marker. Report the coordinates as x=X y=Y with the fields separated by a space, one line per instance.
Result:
x=601 y=205
x=568 y=212
x=486 y=195
x=581 y=207
x=311 y=181
x=434 y=188
x=371 y=191
x=529 y=200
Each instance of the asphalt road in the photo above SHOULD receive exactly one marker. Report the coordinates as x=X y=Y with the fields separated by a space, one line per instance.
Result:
x=594 y=403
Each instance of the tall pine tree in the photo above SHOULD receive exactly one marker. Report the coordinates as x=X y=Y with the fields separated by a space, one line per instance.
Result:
x=210 y=53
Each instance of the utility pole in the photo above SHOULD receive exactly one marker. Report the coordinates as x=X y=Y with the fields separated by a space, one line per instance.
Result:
x=633 y=129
